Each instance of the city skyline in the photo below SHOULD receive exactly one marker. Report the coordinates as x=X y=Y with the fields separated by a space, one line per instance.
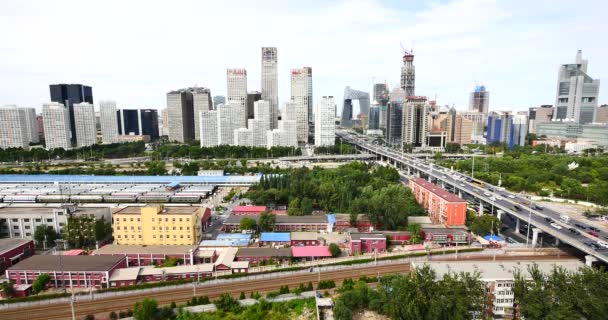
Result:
x=451 y=57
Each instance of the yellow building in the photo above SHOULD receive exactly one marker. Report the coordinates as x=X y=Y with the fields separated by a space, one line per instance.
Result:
x=158 y=225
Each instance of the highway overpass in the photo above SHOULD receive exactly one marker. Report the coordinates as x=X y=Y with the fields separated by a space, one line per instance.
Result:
x=575 y=233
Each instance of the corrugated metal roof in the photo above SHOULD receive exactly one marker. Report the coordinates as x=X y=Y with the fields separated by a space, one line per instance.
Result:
x=275 y=237
x=249 y=209
x=52 y=178
x=310 y=251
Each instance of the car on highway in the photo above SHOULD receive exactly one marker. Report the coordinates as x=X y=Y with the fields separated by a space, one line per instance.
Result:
x=498 y=197
x=516 y=207
x=536 y=207
x=487 y=194
x=574 y=231
x=556 y=226
x=594 y=229
x=594 y=246
x=602 y=244
x=593 y=233
x=548 y=219
x=580 y=226
x=462 y=184
x=511 y=196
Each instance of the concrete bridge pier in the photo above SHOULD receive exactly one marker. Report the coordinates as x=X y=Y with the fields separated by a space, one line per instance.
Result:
x=499 y=214
x=517 y=225
x=460 y=193
x=589 y=260
x=480 y=211
x=535 y=232
x=430 y=179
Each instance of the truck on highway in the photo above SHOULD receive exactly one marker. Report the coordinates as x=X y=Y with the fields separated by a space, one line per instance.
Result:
x=565 y=218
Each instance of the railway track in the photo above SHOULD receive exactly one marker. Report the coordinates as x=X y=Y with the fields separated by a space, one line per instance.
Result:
x=105 y=305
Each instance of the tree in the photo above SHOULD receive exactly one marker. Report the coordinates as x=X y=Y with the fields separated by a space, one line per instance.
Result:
x=7 y=288
x=45 y=233
x=415 y=233
x=242 y=296
x=341 y=311
x=247 y=224
x=335 y=250
x=89 y=317
x=452 y=147
x=40 y=283
x=306 y=206
x=102 y=229
x=113 y=316
x=267 y=221
x=227 y=303
x=485 y=224
x=145 y=309
x=294 y=208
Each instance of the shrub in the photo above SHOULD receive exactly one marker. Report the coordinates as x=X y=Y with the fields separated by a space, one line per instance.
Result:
x=227 y=303
x=89 y=317
x=173 y=305
x=113 y=316
x=255 y=295
x=40 y=283
x=284 y=290
x=326 y=284
x=272 y=294
x=242 y=296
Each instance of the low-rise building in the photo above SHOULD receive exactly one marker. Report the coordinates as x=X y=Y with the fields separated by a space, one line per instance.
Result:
x=366 y=242
x=499 y=278
x=300 y=223
x=305 y=239
x=159 y=225
x=225 y=259
x=272 y=238
x=134 y=275
x=446 y=236
x=443 y=207
x=310 y=252
x=67 y=271
x=248 y=210
x=257 y=255
x=142 y=255
x=341 y=222
x=13 y=251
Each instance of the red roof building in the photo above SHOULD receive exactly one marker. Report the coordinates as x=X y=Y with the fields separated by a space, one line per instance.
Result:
x=248 y=210
x=366 y=242
x=443 y=207
x=313 y=252
x=13 y=251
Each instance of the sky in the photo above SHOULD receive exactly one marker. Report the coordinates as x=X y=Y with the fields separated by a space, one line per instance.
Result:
x=134 y=51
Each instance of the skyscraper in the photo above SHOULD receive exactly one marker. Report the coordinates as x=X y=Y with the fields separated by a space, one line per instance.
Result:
x=261 y=123
x=56 y=126
x=520 y=129
x=68 y=95
x=297 y=112
x=459 y=129
x=243 y=137
x=408 y=74
x=13 y=131
x=537 y=115
x=208 y=121
x=577 y=93
x=480 y=100
x=84 y=117
x=252 y=97
x=504 y=127
x=301 y=89
x=217 y=100
x=380 y=92
x=270 y=82
x=109 y=122
x=237 y=92
x=181 y=115
x=325 y=125
x=394 y=118
x=31 y=124
x=415 y=121
x=228 y=120
x=201 y=101
x=348 y=118
x=138 y=122
x=374 y=116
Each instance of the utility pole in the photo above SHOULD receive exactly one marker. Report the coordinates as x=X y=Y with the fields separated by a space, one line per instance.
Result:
x=72 y=299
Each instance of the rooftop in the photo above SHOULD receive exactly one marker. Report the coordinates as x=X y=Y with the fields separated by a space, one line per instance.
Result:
x=166 y=210
x=141 y=249
x=52 y=178
x=249 y=209
x=304 y=236
x=437 y=190
x=264 y=252
x=224 y=243
x=310 y=251
x=275 y=236
x=359 y=236
x=301 y=219
x=69 y=263
x=233 y=236
x=226 y=257
x=10 y=244
x=498 y=270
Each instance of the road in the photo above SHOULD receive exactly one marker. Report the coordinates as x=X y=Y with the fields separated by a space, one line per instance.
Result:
x=102 y=307
x=574 y=233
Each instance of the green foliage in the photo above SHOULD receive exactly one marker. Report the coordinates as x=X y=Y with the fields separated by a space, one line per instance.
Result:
x=309 y=287
x=89 y=317
x=326 y=284
x=255 y=295
x=294 y=208
x=242 y=296
x=227 y=303
x=266 y=221
x=452 y=148
x=338 y=148
x=262 y=310
x=284 y=290
x=113 y=316
x=230 y=195
x=45 y=231
x=415 y=233
x=223 y=152
x=40 y=283
x=84 y=230
x=97 y=151
x=485 y=224
x=335 y=250
x=561 y=294
x=103 y=229
x=155 y=168
x=7 y=289
x=170 y=262
x=247 y=224
x=145 y=309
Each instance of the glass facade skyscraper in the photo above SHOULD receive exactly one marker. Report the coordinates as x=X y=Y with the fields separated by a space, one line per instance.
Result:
x=68 y=95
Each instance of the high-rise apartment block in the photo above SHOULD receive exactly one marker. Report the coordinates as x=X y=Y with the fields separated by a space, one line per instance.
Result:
x=504 y=127
x=13 y=131
x=109 y=122
x=84 y=117
x=228 y=121
x=252 y=97
x=297 y=112
x=415 y=121
x=325 y=125
x=459 y=129
x=237 y=92
x=394 y=117
x=201 y=101
x=68 y=95
x=480 y=100
x=243 y=137
x=408 y=74
x=31 y=124
x=208 y=121
x=270 y=82
x=539 y=115
x=217 y=100
x=301 y=91
x=577 y=93
x=56 y=126
x=183 y=105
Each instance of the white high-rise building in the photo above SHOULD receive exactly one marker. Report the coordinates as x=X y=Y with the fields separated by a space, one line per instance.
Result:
x=289 y=133
x=237 y=92
x=325 y=125
x=109 y=123
x=84 y=118
x=301 y=91
x=408 y=74
x=56 y=119
x=297 y=112
x=13 y=131
x=31 y=124
x=270 y=82
x=209 y=123
x=415 y=121
x=228 y=119
x=258 y=130
x=577 y=92
x=201 y=101
x=273 y=138
x=262 y=111
x=243 y=137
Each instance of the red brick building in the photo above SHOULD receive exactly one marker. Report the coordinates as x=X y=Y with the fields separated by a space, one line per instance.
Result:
x=248 y=210
x=67 y=271
x=305 y=239
x=363 y=224
x=206 y=219
x=366 y=242
x=443 y=207
x=310 y=252
x=257 y=255
x=282 y=223
x=446 y=236
x=13 y=251
x=143 y=255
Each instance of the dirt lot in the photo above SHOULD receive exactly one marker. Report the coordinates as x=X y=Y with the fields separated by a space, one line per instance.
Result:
x=367 y=315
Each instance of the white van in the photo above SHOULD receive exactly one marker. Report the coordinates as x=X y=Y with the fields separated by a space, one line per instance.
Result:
x=565 y=218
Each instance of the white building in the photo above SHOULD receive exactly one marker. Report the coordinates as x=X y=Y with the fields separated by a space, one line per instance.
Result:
x=270 y=82
x=273 y=138
x=297 y=112
x=209 y=123
x=258 y=130
x=13 y=131
x=201 y=101
x=325 y=125
x=520 y=128
x=415 y=121
x=289 y=132
x=577 y=93
x=301 y=92
x=579 y=145
x=109 y=123
x=56 y=125
x=31 y=124
x=237 y=92
x=243 y=137
x=228 y=119
x=84 y=118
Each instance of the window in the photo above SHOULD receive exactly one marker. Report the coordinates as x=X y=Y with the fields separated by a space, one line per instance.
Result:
x=118 y=236
x=180 y=219
x=17 y=234
x=138 y=220
x=15 y=227
x=131 y=219
x=153 y=228
x=49 y=220
x=15 y=220
x=139 y=236
x=27 y=234
x=173 y=219
x=27 y=227
x=61 y=224
x=160 y=236
x=181 y=236
x=153 y=236
x=173 y=228
x=124 y=219
x=181 y=228
x=26 y=220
